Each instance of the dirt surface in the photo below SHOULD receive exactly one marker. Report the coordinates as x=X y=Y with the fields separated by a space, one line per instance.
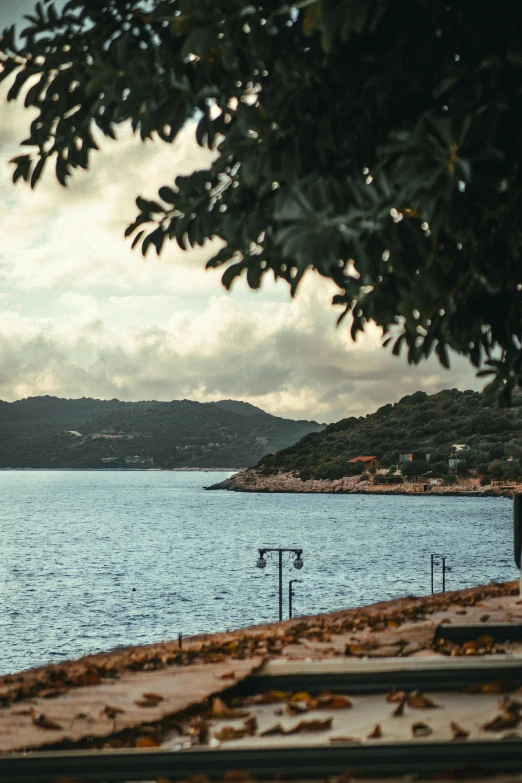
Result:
x=134 y=696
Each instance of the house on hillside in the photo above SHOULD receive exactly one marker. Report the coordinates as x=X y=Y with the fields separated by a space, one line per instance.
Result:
x=368 y=462
x=406 y=457
x=458 y=447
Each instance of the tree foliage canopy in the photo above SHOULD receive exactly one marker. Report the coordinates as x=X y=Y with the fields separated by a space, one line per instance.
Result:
x=375 y=141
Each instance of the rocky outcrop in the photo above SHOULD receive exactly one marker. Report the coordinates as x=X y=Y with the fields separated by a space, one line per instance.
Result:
x=252 y=480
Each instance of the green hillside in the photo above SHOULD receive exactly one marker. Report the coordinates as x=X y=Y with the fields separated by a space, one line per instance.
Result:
x=48 y=432
x=426 y=426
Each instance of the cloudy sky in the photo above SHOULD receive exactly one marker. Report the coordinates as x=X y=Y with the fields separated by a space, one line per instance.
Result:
x=81 y=314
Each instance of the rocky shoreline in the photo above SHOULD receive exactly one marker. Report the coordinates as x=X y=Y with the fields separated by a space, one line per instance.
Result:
x=251 y=480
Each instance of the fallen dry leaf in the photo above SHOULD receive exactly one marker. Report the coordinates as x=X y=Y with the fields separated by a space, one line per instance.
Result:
x=457 y=731
x=507 y=720
x=111 y=712
x=270 y=697
x=396 y=696
x=301 y=696
x=398 y=712
x=296 y=708
x=227 y=676
x=227 y=733
x=301 y=728
x=507 y=704
x=220 y=710
x=376 y=733
x=421 y=730
x=351 y=740
x=493 y=687
x=146 y=742
x=149 y=700
x=419 y=701
x=46 y=723
x=330 y=701
x=310 y=725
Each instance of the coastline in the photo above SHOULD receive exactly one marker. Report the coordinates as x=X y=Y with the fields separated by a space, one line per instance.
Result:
x=250 y=480
x=127 y=470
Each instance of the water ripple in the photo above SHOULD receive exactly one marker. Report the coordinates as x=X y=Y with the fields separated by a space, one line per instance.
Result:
x=75 y=545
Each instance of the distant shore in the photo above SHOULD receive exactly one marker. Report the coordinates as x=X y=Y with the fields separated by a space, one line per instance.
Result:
x=127 y=470
x=253 y=481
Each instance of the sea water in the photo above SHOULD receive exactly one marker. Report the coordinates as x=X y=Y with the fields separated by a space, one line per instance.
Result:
x=92 y=560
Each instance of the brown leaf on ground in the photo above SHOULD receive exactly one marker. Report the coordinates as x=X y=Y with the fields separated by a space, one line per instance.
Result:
x=398 y=712
x=352 y=740
x=149 y=700
x=359 y=649
x=310 y=725
x=296 y=708
x=270 y=697
x=227 y=733
x=506 y=704
x=111 y=712
x=457 y=731
x=421 y=730
x=484 y=618
x=90 y=677
x=419 y=701
x=220 y=710
x=52 y=693
x=505 y=721
x=329 y=701
x=493 y=687
x=394 y=696
x=301 y=696
x=46 y=723
x=376 y=733
x=146 y=742
x=227 y=676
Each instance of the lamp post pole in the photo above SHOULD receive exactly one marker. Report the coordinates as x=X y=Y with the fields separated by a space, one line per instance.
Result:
x=291 y=595
x=445 y=568
x=298 y=563
x=280 y=585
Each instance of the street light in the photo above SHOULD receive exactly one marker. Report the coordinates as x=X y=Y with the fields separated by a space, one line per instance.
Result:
x=298 y=563
x=291 y=594
x=444 y=569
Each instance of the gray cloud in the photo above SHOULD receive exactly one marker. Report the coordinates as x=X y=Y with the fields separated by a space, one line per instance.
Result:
x=293 y=363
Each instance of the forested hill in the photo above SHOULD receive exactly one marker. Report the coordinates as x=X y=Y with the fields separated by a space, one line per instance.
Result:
x=426 y=426
x=48 y=432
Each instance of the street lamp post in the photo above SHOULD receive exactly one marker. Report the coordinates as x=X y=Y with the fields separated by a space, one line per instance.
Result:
x=291 y=595
x=444 y=569
x=298 y=563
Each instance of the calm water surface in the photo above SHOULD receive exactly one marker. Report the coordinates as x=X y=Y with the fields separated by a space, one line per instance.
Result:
x=74 y=545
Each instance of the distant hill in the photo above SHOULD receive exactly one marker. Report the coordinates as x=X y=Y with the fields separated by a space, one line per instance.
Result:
x=49 y=432
x=489 y=438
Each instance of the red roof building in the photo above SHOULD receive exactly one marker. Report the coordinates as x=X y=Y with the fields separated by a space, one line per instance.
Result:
x=369 y=462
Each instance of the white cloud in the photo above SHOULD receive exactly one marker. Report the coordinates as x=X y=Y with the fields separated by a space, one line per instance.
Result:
x=288 y=358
